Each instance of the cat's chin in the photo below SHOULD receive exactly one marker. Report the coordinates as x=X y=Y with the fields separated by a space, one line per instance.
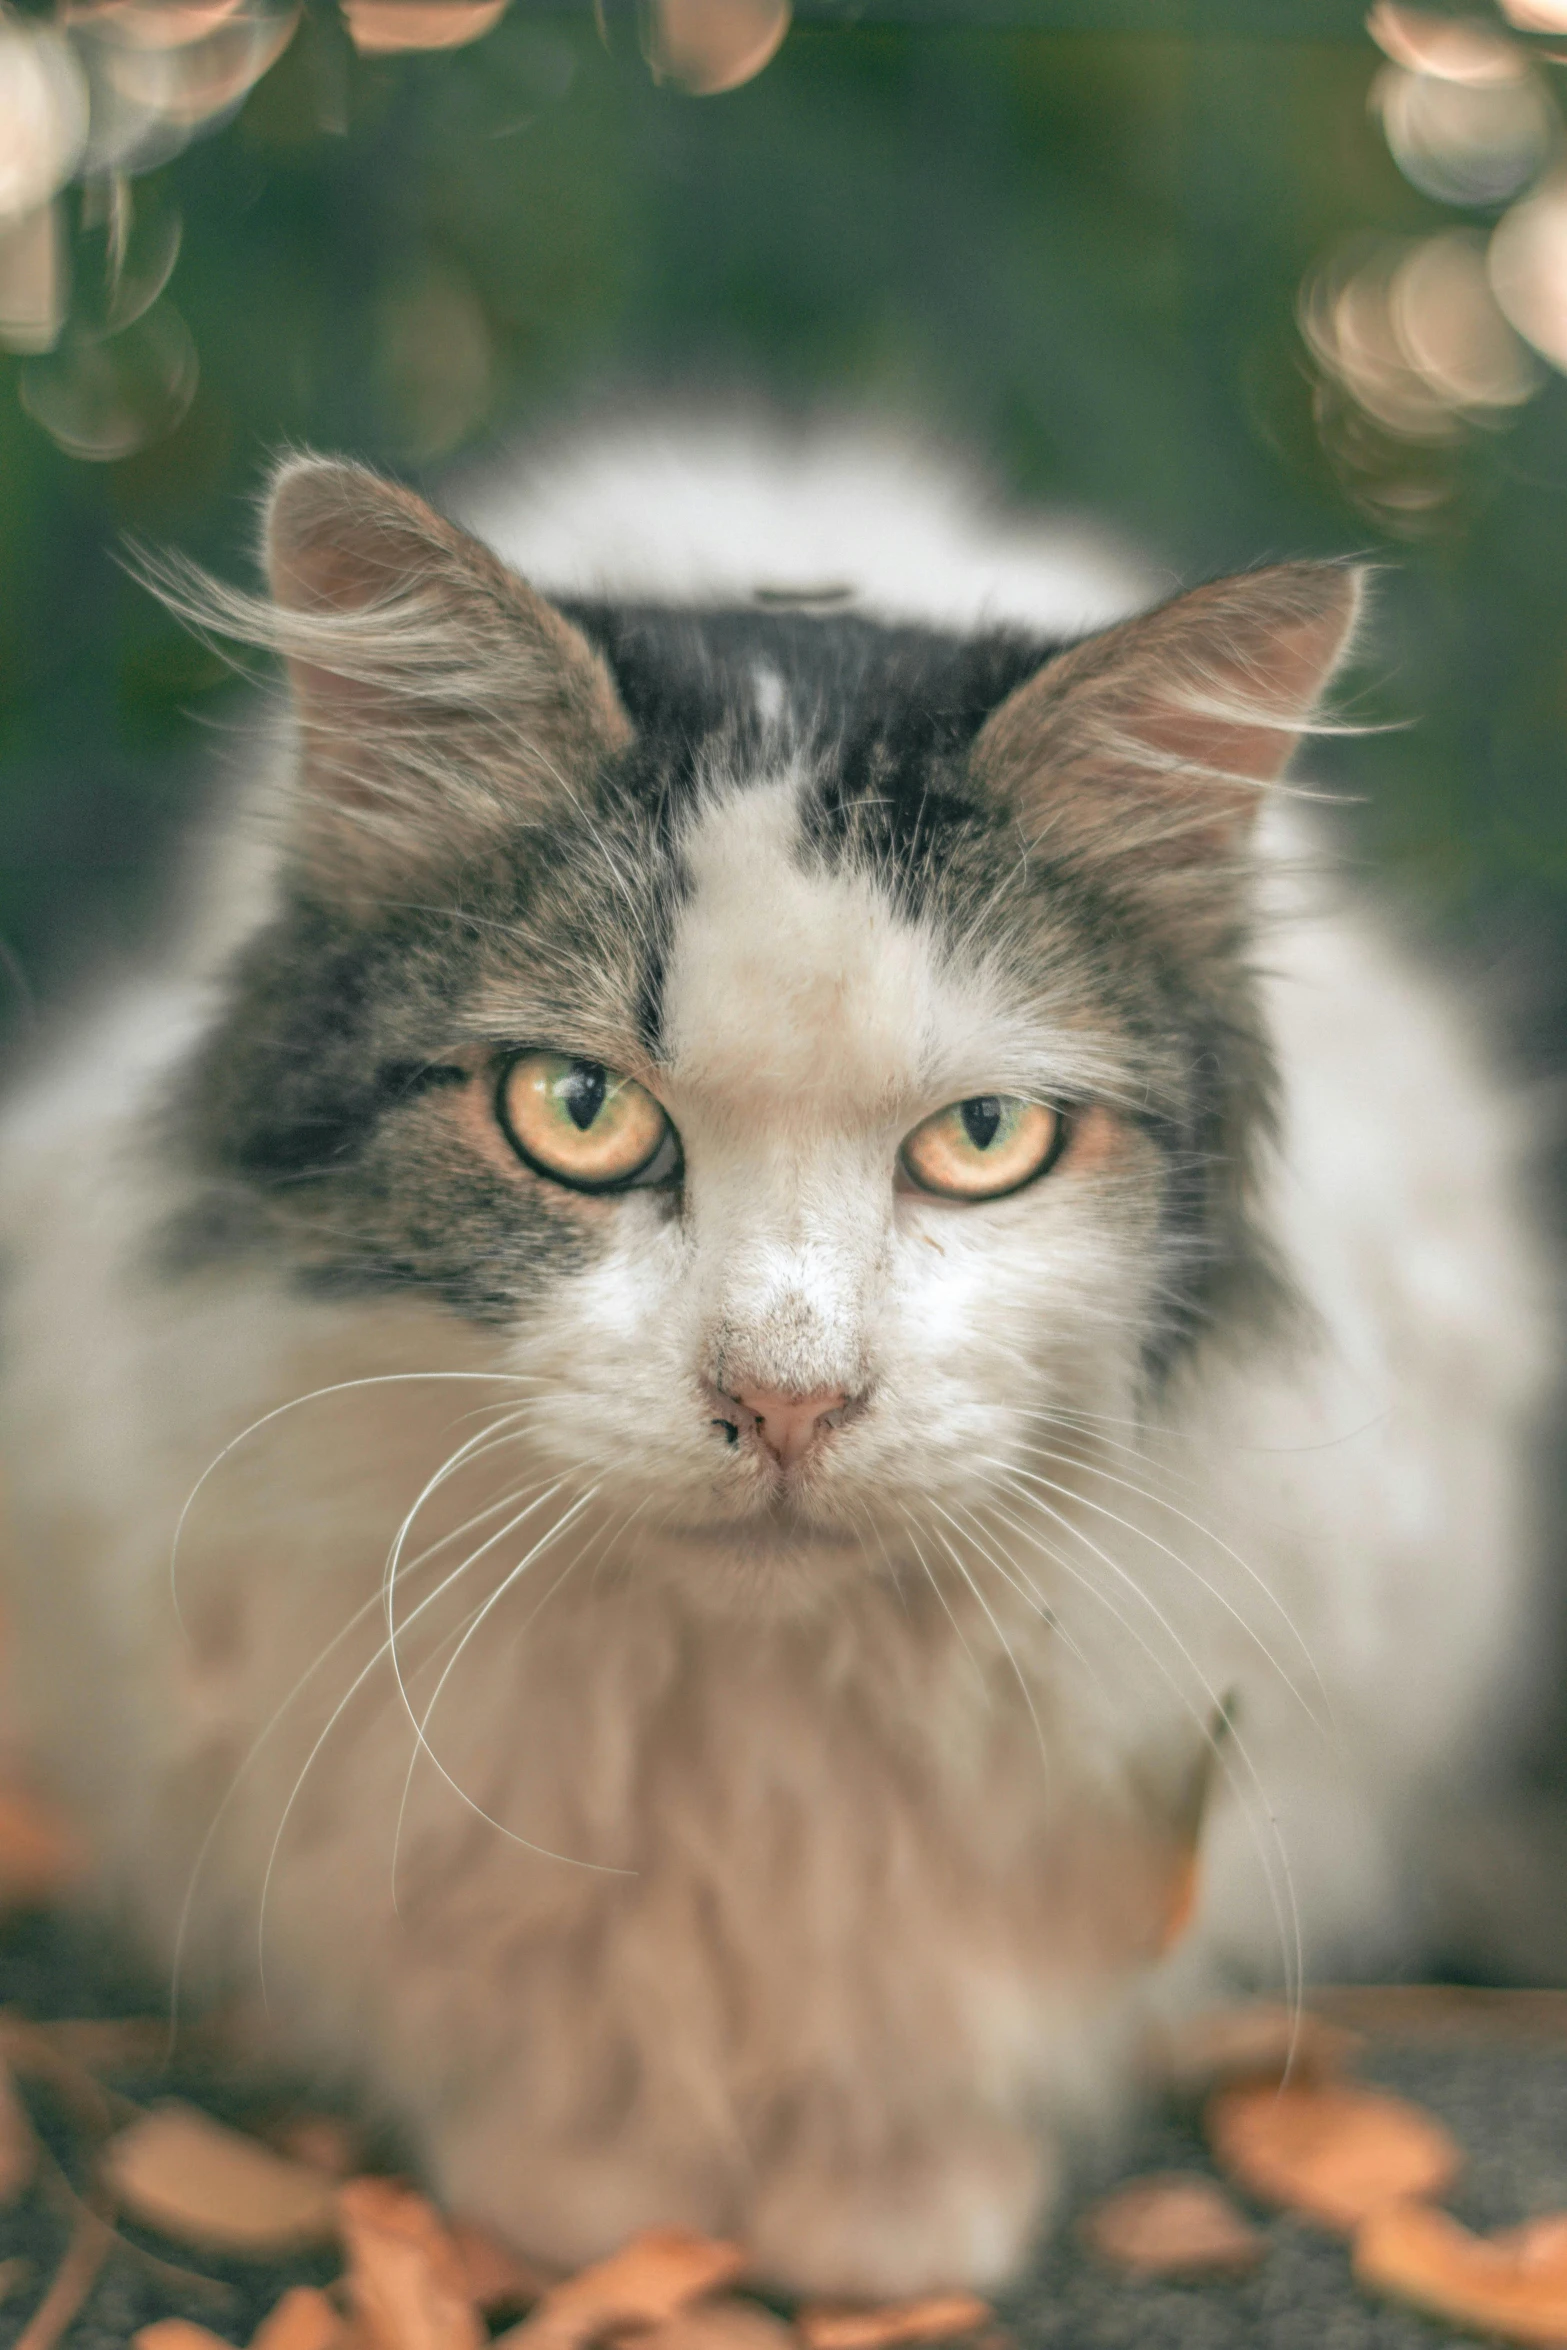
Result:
x=776 y=1560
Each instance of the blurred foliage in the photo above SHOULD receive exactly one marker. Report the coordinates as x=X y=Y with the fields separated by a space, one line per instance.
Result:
x=1077 y=253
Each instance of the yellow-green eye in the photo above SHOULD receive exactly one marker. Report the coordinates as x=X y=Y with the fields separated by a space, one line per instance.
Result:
x=983 y=1147
x=584 y=1124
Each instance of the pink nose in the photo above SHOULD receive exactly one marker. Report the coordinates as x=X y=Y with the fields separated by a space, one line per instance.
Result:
x=787 y=1424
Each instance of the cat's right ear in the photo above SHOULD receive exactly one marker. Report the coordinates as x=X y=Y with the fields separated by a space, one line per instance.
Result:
x=1145 y=753
x=439 y=699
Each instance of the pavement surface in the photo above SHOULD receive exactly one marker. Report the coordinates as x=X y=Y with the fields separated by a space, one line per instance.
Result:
x=1505 y=2101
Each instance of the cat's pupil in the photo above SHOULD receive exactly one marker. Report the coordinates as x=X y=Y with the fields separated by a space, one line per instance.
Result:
x=582 y=1091
x=981 y=1118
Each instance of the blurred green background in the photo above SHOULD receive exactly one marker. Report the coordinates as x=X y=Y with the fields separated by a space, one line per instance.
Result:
x=1077 y=251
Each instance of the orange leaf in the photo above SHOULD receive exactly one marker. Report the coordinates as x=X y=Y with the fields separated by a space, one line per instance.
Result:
x=1332 y=2153
x=176 y=2333
x=647 y=2281
x=40 y=1858
x=1513 y=2285
x=1175 y=2224
x=498 y=2280
x=303 y=2320
x=71 y=2283
x=96 y=2044
x=18 y=2146
x=934 y=2317
x=1257 y=2041
x=319 y=2140
x=180 y=2171
x=405 y=2277
x=716 y=2325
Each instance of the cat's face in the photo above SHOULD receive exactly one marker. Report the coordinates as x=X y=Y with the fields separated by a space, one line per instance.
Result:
x=823 y=1066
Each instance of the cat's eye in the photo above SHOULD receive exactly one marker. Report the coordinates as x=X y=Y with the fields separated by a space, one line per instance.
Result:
x=583 y=1124
x=979 y=1149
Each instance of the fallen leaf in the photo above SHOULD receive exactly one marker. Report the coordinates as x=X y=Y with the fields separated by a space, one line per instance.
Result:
x=1258 y=2041
x=933 y=2317
x=1331 y=2152
x=40 y=1858
x=1172 y=2224
x=180 y=2171
x=499 y=2281
x=406 y=2280
x=716 y=2325
x=71 y=2283
x=322 y=2141
x=177 y=2333
x=1513 y=2285
x=107 y=2043
x=31 y=2051
x=18 y=2146
x=1538 y=2243
x=303 y=2320
x=649 y=2280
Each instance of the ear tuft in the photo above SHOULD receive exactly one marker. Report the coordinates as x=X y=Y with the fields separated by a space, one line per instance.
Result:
x=1151 y=746
x=438 y=698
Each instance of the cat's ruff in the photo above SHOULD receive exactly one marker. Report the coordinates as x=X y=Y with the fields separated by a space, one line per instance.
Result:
x=691 y=1696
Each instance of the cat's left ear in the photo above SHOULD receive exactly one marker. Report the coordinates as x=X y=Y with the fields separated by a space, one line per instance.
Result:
x=439 y=698
x=1149 y=749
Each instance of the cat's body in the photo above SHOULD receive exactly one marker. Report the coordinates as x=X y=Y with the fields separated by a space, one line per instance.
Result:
x=787 y=1833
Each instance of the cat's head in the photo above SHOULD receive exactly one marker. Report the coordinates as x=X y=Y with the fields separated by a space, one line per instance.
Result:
x=823 y=1053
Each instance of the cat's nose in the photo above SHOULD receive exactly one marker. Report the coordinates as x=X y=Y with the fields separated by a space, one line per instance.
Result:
x=788 y=1424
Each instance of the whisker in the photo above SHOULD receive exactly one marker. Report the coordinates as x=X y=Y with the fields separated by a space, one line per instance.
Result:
x=252 y=1753
x=1030 y=1595
x=1160 y=1501
x=421 y=1742
x=979 y=1674
x=569 y=1859
x=1291 y=1940
x=1142 y=1534
x=468 y=1627
x=1008 y=1650
x=314 y=1395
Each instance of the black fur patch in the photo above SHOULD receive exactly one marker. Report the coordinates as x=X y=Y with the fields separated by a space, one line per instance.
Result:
x=318 y=1097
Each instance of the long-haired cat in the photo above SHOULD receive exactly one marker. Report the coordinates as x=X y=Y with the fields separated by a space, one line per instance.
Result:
x=789 y=1285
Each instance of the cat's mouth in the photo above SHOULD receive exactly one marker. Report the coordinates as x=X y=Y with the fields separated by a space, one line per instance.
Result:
x=778 y=1527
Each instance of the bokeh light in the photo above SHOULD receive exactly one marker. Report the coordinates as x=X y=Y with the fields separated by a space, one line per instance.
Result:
x=709 y=46
x=1412 y=330
x=116 y=88
x=1528 y=268
x=34 y=279
x=381 y=28
x=152 y=94
x=43 y=114
x=1467 y=117
x=103 y=397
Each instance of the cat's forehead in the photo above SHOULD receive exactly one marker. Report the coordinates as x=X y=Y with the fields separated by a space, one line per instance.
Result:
x=792 y=977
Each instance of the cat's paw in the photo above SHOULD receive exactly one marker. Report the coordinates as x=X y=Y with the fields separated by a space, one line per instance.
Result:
x=963 y=2212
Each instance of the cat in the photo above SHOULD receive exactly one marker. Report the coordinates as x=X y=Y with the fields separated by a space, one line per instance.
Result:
x=782 y=1367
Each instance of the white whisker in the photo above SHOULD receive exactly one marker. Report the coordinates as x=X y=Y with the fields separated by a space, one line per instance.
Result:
x=1142 y=1534
x=1291 y=1940
x=314 y=1395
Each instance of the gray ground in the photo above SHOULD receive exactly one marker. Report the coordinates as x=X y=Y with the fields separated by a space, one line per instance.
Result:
x=1507 y=2105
